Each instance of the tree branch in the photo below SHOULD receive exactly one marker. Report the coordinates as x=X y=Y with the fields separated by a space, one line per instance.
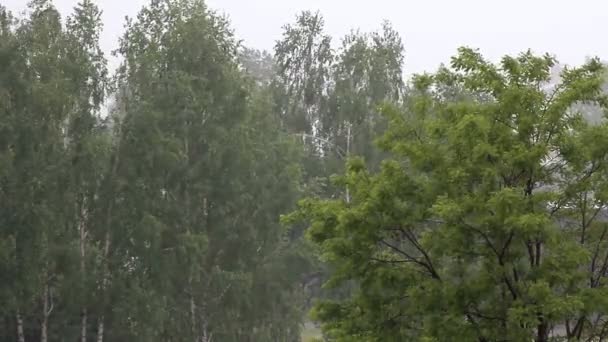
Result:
x=429 y=268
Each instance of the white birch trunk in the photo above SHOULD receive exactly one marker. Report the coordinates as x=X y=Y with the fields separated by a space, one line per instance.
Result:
x=193 y=315
x=206 y=336
x=83 y=325
x=105 y=269
x=347 y=156
x=104 y=284
x=47 y=308
x=20 y=334
x=82 y=228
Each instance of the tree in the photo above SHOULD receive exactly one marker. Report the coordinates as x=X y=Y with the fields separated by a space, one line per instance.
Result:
x=87 y=144
x=259 y=65
x=36 y=106
x=158 y=222
x=487 y=221
x=367 y=73
x=54 y=83
x=196 y=241
x=184 y=97
x=303 y=58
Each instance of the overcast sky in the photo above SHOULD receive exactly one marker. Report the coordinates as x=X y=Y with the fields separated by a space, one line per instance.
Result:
x=431 y=29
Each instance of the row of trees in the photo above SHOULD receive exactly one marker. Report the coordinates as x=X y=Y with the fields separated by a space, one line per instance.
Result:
x=157 y=221
x=144 y=205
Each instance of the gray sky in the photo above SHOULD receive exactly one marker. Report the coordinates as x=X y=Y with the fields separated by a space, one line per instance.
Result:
x=431 y=29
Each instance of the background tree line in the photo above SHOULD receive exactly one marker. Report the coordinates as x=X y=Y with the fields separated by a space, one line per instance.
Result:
x=143 y=204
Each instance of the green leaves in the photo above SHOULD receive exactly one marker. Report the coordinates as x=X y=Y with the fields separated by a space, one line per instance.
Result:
x=159 y=221
x=465 y=210
x=479 y=218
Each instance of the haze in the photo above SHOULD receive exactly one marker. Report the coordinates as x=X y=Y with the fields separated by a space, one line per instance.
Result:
x=431 y=30
x=211 y=192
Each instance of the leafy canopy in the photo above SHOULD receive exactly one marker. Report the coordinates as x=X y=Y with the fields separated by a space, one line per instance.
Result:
x=486 y=221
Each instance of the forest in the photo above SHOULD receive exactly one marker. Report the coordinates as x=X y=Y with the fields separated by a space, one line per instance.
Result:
x=206 y=191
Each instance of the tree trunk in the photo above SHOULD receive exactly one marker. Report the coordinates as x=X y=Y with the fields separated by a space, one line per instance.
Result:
x=104 y=283
x=83 y=237
x=46 y=312
x=186 y=189
x=347 y=156
x=105 y=269
x=100 y=328
x=193 y=316
x=542 y=332
x=20 y=334
x=205 y=335
x=83 y=325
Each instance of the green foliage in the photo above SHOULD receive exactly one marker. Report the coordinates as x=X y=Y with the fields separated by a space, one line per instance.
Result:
x=146 y=206
x=159 y=221
x=203 y=163
x=486 y=222
x=303 y=58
